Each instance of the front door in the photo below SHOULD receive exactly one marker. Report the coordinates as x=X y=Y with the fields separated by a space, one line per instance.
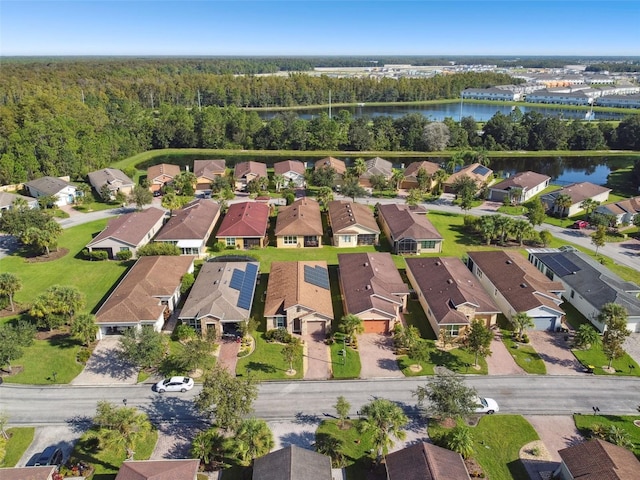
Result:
x=297 y=325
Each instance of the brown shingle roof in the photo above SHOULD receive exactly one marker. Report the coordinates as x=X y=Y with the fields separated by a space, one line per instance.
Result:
x=378 y=166
x=159 y=470
x=280 y=168
x=524 y=180
x=579 y=191
x=244 y=168
x=628 y=205
x=154 y=171
x=245 y=219
x=136 y=296
x=469 y=172
x=447 y=283
x=28 y=473
x=112 y=177
x=412 y=170
x=522 y=284
x=287 y=287
x=292 y=463
x=344 y=214
x=302 y=217
x=600 y=460
x=130 y=228
x=209 y=168
x=370 y=280
x=403 y=223
x=190 y=222
x=424 y=461
x=337 y=165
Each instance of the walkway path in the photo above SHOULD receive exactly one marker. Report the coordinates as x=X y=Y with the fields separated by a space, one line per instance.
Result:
x=501 y=362
x=377 y=358
x=318 y=358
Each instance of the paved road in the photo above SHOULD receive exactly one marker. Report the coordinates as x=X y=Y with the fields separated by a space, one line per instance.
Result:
x=525 y=395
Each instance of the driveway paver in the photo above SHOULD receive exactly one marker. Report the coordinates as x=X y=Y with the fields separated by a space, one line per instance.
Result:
x=61 y=436
x=555 y=352
x=632 y=346
x=228 y=355
x=501 y=362
x=105 y=367
x=377 y=357
x=318 y=358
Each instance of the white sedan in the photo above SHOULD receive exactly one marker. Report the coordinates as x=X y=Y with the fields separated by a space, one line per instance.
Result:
x=174 y=384
x=486 y=405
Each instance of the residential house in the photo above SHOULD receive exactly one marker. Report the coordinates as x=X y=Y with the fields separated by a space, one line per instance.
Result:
x=175 y=469
x=245 y=225
x=293 y=171
x=480 y=174
x=338 y=166
x=578 y=193
x=7 y=201
x=111 y=180
x=372 y=289
x=491 y=93
x=452 y=298
x=408 y=232
x=145 y=296
x=619 y=101
x=64 y=192
x=376 y=166
x=425 y=461
x=299 y=225
x=161 y=175
x=624 y=211
x=597 y=460
x=292 y=463
x=516 y=286
x=588 y=284
x=221 y=297
x=411 y=174
x=352 y=224
x=299 y=298
x=28 y=473
x=190 y=227
x=206 y=171
x=519 y=188
x=560 y=97
x=128 y=232
x=244 y=172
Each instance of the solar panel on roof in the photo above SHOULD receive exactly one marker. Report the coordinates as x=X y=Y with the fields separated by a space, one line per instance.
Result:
x=318 y=276
x=560 y=265
x=248 y=286
x=237 y=278
x=481 y=170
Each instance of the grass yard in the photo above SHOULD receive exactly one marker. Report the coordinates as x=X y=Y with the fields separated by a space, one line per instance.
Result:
x=344 y=367
x=458 y=360
x=497 y=443
x=596 y=357
x=19 y=440
x=266 y=362
x=524 y=354
x=585 y=422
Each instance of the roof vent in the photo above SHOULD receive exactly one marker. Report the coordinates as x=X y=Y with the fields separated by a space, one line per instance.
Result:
x=450 y=281
x=438 y=263
x=215 y=282
x=524 y=285
x=368 y=287
x=366 y=264
x=509 y=262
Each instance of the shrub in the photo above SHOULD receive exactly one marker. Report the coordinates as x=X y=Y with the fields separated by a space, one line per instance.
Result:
x=525 y=338
x=158 y=248
x=187 y=282
x=219 y=246
x=83 y=355
x=278 y=335
x=184 y=332
x=95 y=254
x=124 y=255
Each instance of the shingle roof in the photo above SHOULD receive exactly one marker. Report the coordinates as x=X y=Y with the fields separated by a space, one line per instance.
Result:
x=28 y=473
x=209 y=168
x=424 y=461
x=154 y=171
x=7 y=199
x=48 y=185
x=190 y=222
x=302 y=217
x=412 y=170
x=159 y=470
x=111 y=177
x=370 y=281
x=245 y=219
x=338 y=165
x=212 y=295
x=136 y=296
x=345 y=214
x=403 y=223
x=288 y=287
x=447 y=283
x=292 y=463
x=244 y=168
x=472 y=171
x=280 y=168
x=628 y=205
x=378 y=166
x=600 y=460
x=524 y=180
x=579 y=191
x=522 y=284
x=130 y=228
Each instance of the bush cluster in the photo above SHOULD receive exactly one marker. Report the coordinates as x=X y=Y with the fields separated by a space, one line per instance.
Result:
x=278 y=335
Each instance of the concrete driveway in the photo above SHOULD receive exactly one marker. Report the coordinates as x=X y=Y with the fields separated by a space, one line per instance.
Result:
x=61 y=436
x=555 y=352
x=501 y=362
x=317 y=357
x=377 y=357
x=632 y=346
x=105 y=367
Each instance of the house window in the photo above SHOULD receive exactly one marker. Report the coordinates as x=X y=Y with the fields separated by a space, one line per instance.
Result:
x=346 y=238
x=231 y=242
x=479 y=273
x=281 y=321
x=290 y=240
x=572 y=293
x=124 y=249
x=427 y=244
x=453 y=330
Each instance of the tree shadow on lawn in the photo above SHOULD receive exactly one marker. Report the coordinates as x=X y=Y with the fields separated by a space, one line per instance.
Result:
x=64 y=340
x=447 y=359
x=306 y=419
x=261 y=367
x=300 y=439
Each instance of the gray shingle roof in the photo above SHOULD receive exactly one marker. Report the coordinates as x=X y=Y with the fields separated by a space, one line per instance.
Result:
x=292 y=463
x=48 y=185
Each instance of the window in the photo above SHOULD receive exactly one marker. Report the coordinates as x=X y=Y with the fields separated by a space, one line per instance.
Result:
x=453 y=330
x=572 y=293
x=346 y=238
x=479 y=273
x=281 y=321
x=231 y=242
x=427 y=244
x=124 y=249
x=290 y=240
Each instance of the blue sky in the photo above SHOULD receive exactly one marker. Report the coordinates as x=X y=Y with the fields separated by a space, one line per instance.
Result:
x=302 y=27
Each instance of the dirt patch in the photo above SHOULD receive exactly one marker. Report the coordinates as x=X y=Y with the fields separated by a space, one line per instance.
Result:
x=15 y=369
x=415 y=368
x=52 y=334
x=61 y=252
x=535 y=450
x=6 y=312
x=474 y=468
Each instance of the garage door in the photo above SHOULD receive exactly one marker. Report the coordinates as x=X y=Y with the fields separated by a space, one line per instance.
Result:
x=376 y=326
x=315 y=328
x=544 y=323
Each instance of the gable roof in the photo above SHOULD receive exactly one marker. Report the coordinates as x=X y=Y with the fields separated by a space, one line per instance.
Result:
x=338 y=165
x=7 y=199
x=155 y=171
x=412 y=170
x=193 y=221
x=596 y=283
x=243 y=169
x=48 y=185
x=159 y=470
x=289 y=286
x=404 y=223
x=628 y=205
x=130 y=228
x=370 y=281
x=446 y=283
x=28 y=473
x=112 y=177
x=292 y=463
x=578 y=192
x=209 y=168
x=523 y=180
x=478 y=173
x=302 y=217
x=212 y=293
x=424 y=461
x=280 y=168
x=135 y=298
x=378 y=166
x=600 y=460
x=245 y=219
x=519 y=282
x=345 y=214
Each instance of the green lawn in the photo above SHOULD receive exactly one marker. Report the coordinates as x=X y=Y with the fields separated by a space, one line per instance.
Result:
x=266 y=362
x=19 y=440
x=585 y=422
x=457 y=359
x=524 y=354
x=596 y=357
x=497 y=443
x=344 y=367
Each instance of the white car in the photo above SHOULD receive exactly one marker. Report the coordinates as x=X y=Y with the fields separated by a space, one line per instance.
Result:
x=486 y=405
x=174 y=384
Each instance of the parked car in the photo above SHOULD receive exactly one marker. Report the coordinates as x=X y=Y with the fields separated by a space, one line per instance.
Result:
x=579 y=224
x=49 y=456
x=174 y=384
x=486 y=405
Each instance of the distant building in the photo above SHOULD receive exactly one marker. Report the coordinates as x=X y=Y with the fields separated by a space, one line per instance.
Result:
x=376 y=166
x=299 y=225
x=352 y=224
x=293 y=171
x=244 y=226
x=158 y=176
x=578 y=193
x=624 y=211
x=408 y=232
x=491 y=93
x=64 y=192
x=480 y=174
x=245 y=172
x=206 y=171
x=523 y=186
x=7 y=201
x=410 y=179
x=113 y=179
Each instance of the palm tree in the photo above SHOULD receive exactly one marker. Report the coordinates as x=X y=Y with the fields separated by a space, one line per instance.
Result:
x=350 y=325
x=460 y=440
x=454 y=162
x=487 y=228
x=324 y=196
x=384 y=420
x=438 y=178
x=332 y=447
x=397 y=176
x=120 y=426
x=207 y=446
x=414 y=196
x=84 y=327
x=171 y=202
x=586 y=336
x=562 y=203
x=522 y=229
x=589 y=205
x=279 y=181
x=503 y=226
x=359 y=167
x=614 y=316
x=10 y=284
x=83 y=190
x=253 y=439
x=522 y=321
